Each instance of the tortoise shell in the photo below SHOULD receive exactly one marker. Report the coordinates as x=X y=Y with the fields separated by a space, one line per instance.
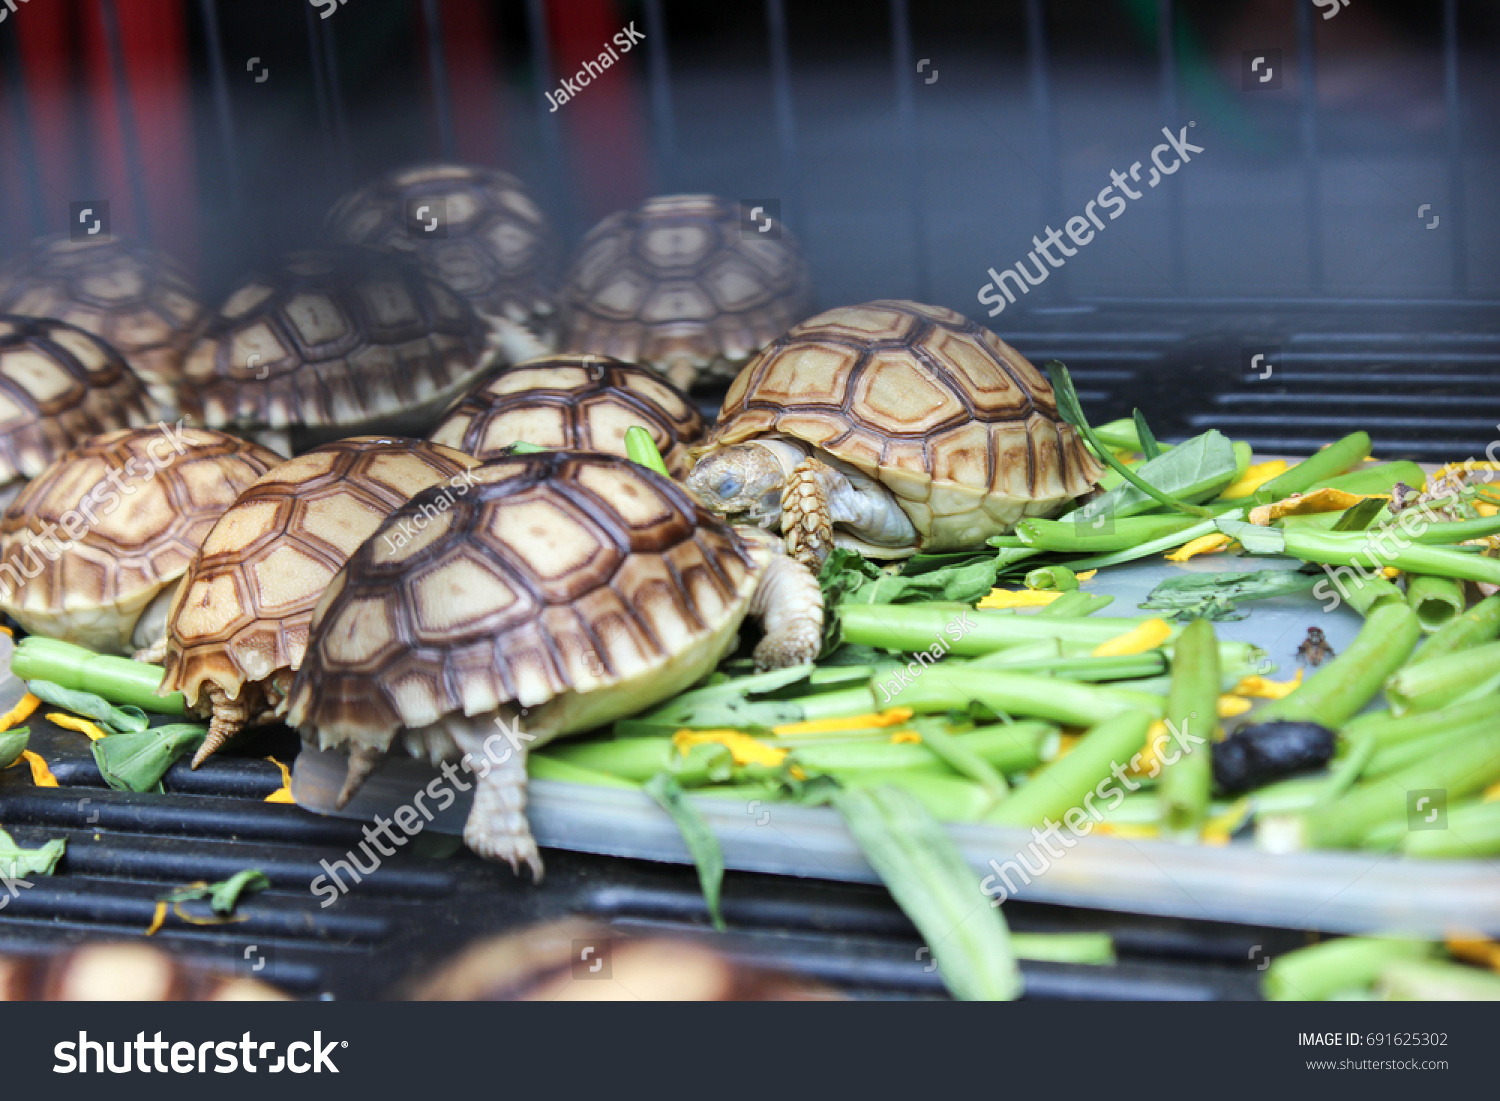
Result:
x=58 y=386
x=333 y=337
x=101 y=531
x=476 y=229
x=680 y=283
x=572 y=402
x=136 y=299
x=242 y=611
x=954 y=421
x=560 y=570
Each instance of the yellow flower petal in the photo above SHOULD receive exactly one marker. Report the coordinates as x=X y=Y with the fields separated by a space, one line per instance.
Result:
x=1025 y=598
x=1263 y=688
x=1475 y=949
x=1230 y=706
x=1146 y=763
x=1484 y=508
x=744 y=749
x=19 y=713
x=41 y=775
x=1086 y=575
x=157 y=919
x=1491 y=793
x=906 y=737
x=7 y=630
x=1307 y=504
x=895 y=716
x=1390 y=571
x=1253 y=478
x=73 y=722
x=282 y=794
x=1130 y=831
x=1148 y=636
x=1204 y=544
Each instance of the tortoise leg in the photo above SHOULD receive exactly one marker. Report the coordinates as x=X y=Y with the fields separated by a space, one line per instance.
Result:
x=682 y=375
x=806 y=520
x=227 y=719
x=497 y=828
x=363 y=760
x=789 y=604
x=154 y=654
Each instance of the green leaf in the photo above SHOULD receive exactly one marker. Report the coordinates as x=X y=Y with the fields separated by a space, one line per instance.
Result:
x=1254 y=537
x=1360 y=516
x=1197 y=469
x=136 y=761
x=698 y=837
x=226 y=895
x=18 y=863
x=1149 y=446
x=90 y=706
x=223 y=896
x=13 y=744
x=1213 y=596
x=1071 y=410
x=922 y=868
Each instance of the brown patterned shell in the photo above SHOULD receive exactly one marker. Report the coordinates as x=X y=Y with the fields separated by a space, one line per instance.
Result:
x=58 y=386
x=561 y=570
x=489 y=241
x=679 y=283
x=136 y=299
x=333 y=337
x=128 y=511
x=243 y=610
x=572 y=402
x=957 y=423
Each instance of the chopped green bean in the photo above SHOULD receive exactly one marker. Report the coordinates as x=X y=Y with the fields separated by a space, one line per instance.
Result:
x=1062 y=785
x=1338 y=691
x=1186 y=781
x=1436 y=600
x=1332 y=460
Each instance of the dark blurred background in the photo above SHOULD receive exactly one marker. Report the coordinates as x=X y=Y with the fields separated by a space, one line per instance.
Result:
x=911 y=145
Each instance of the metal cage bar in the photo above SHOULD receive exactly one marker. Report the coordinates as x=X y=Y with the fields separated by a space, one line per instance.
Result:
x=906 y=130
x=663 y=115
x=130 y=134
x=1307 y=81
x=785 y=114
x=1457 y=195
x=1166 y=46
x=223 y=111
x=1039 y=69
x=442 y=93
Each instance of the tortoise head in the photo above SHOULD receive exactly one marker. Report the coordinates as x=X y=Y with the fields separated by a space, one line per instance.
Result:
x=742 y=483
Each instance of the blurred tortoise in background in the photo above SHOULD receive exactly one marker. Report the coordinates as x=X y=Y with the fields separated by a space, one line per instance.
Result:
x=572 y=402
x=92 y=548
x=890 y=428
x=59 y=385
x=684 y=284
x=478 y=231
x=238 y=626
x=136 y=299
x=568 y=589
x=333 y=342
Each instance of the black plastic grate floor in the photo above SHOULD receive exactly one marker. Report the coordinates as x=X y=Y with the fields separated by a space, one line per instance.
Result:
x=125 y=850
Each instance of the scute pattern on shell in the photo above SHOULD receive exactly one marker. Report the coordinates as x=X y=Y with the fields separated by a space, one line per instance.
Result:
x=59 y=385
x=242 y=611
x=339 y=337
x=497 y=249
x=134 y=298
x=676 y=281
x=149 y=519
x=560 y=570
x=942 y=411
x=571 y=402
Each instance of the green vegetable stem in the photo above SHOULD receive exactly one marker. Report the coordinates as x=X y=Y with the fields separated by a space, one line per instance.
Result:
x=1192 y=716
